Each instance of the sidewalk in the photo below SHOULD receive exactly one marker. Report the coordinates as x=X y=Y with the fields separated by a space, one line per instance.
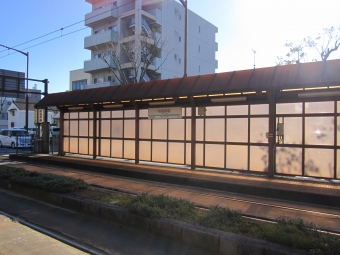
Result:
x=253 y=195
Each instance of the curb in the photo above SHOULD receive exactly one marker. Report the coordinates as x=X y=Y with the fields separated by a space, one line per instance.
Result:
x=204 y=238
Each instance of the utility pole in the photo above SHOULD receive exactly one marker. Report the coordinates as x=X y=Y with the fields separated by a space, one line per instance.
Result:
x=254 y=57
x=185 y=4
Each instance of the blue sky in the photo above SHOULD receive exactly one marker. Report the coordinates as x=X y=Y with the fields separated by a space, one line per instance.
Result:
x=243 y=25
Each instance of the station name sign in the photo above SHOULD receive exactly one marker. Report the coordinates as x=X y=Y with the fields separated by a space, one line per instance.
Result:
x=165 y=113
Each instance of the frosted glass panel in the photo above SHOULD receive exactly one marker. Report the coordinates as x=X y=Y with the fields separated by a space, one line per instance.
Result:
x=319 y=163
x=289 y=108
x=199 y=130
x=73 y=145
x=237 y=130
x=338 y=164
x=90 y=115
x=237 y=110
x=129 y=113
x=159 y=129
x=188 y=111
x=258 y=129
x=105 y=147
x=116 y=148
x=90 y=146
x=117 y=128
x=83 y=146
x=159 y=151
x=129 y=128
x=338 y=131
x=66 y=128
x=73 y=115
x=143 y=113
x=91 y=128
x=214 y=155
x=259 y=109
x=319 y=107
x=66 y=115
x=83 y=115
x=259 y=158
x=145 y=129
x=105 y=128
x=188 y=154
x=117 y=114
x=66 y=144
x=199 y=154
x=188 y=129
x=292 y=130
x=129 y=149
x=74 y=127
x=319 y=130
x=83 y=128
x=145 y=151
x=176 y=153
x=237 y=157
x=289 y=160
x=176 y=129
x=215 y=111
x=105 y=114
x=214 y=130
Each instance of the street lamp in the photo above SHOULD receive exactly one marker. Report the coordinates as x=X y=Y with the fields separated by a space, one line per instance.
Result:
x=27 y=56
x=185 y=4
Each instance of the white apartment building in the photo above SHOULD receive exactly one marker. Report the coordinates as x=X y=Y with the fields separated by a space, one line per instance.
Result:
x=113 y=20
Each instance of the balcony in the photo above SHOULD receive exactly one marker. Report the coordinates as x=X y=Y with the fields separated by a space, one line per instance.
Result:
x=97 y=65
x=156 y=19
x=100 y=85
x=103 y=15
x=156 y=63
x=98 y=39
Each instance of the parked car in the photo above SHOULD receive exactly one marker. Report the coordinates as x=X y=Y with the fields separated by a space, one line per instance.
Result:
x=54 y=131
x=15 y=138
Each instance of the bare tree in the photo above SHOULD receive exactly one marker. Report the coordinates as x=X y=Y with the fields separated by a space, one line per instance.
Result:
x=295 y=55
x=133 y=55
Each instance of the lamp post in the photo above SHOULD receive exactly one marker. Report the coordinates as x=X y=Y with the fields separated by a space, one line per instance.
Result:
x=185 y=4
x=27 y=56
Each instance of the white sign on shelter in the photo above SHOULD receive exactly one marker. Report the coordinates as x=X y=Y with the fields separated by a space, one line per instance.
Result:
x=165 y=113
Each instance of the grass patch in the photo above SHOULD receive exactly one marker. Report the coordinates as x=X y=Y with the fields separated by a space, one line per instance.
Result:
x=48 y=182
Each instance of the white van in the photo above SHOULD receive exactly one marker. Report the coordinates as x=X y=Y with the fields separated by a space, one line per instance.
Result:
x=10 y=138
x=54 y=131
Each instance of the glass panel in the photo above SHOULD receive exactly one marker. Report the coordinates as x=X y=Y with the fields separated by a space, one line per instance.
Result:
x=66 y=128
x=319 y=107
x=289 y=161
x=214 y=130
x=338 y=106
x=105 y=128
x=73 y=115
x=188 y=111
x=319 y=163
x=116 y=148
x=237 y=110
x=105 y=147
x=129 y=128
x=176 y=129
x=338 y=164
x=289 y=108
x=83 y=115
x=74 y=128
x=159 y=129
x=66 y=144
x=117 y=114
x=259 y=158
x=319 y=130
x=145 y=129
x=199 y=154
x=90 y=115
x=188 y=129
x=258 y=129
x=129 y=149
x=129 y=113
x=91 y=128
x=74 y=145
x=143 y=113
x=199 y=130
x=183 y=111
x=159 y=151
x=188 y=154
x=90 y=146
x=259 y=109
x=292 y=130
x=237 y=130
x=66 y=115
x=176 y=153
x=117 y=128
x=237 y=157
x=145 y=151
x=83 y=146
x=106 y=114
x=214 y=155
x=84 y=128
x=338 y=130
x=215 y=111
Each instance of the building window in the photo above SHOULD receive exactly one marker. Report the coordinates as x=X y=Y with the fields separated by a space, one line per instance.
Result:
x=77 y=85
x=12 y=124
x=180 y=17
x=13 y=113
x=179 y=38
x=95 y=80
x=109 y=78
x=199 y=69
x=199 y=29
